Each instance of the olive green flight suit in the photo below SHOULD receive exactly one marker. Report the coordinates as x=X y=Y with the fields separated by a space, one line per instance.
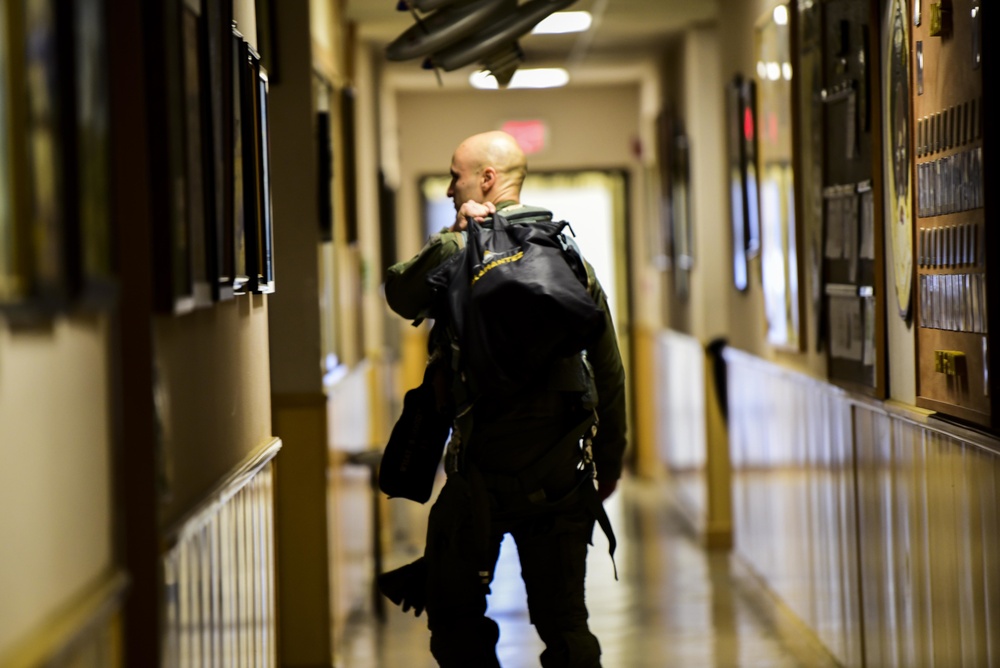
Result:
x=485 y=501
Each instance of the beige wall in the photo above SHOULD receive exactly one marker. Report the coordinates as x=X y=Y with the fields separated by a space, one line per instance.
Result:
x=213 y=396
x=55 y=477
x=296 y=347
x=702 y=112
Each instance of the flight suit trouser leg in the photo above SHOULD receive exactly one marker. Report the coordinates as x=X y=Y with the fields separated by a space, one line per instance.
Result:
x=553 y=554
x=462 y=636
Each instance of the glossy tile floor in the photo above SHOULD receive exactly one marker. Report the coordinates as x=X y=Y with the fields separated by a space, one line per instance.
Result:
x=675 y=603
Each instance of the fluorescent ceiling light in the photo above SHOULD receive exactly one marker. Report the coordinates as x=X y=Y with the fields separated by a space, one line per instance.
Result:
x=540 y=77
x=563 y=22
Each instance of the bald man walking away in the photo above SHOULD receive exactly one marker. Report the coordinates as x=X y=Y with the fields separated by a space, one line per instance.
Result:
x=485 y=496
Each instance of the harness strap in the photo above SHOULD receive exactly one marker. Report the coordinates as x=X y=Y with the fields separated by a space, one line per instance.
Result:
x=593 y=503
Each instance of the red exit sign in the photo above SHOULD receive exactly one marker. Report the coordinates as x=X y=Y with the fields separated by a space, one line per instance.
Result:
x=531 y=136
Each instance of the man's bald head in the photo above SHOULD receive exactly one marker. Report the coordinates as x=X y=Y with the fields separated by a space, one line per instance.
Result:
x=487 y=167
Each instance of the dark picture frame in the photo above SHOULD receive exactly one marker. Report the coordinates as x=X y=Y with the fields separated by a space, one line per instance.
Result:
x=680 y=210
x=93 y=139
x=220 y=246
x=324 y=97
x=51 y=154
x=348 y=116
x=387 y=212
x=664 y=130
x=673 y=155
x=197 y=143
x=742 y=152
x=56 y=243
x=266 y=15
x=253 y=211
x=240 y=216
x=171 y=231
x=16 y=279
x=262 y=240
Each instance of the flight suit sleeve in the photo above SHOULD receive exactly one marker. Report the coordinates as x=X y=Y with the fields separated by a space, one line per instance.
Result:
x=406 y=289
x=609 y=377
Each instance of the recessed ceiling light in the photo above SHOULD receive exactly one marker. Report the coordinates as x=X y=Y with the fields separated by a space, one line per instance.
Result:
x=563 y=22
x=540 y=77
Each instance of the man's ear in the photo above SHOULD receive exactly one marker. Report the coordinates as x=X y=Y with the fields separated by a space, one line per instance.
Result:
x=488 y=179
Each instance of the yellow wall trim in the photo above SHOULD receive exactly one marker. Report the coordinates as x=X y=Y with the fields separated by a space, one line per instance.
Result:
x=302 y=529
x=643 y=440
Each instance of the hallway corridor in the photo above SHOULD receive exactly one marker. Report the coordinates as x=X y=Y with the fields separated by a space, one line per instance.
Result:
x=676 y=604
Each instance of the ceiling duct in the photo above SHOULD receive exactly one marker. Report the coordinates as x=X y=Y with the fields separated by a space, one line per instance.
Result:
x=459 y=32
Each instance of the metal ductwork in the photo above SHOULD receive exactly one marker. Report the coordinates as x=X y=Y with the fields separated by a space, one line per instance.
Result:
x=449 y=34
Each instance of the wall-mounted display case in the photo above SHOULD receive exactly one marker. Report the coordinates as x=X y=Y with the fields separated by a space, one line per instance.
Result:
x=952 y=243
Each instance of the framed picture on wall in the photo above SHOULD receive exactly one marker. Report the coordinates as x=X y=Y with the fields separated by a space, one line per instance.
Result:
x=664 y=131
x=386 y=224
x=252 y=233
x=680 y=211
x=348 y=110
x=323 y=90
x=779 y=234
x=220 y=245
x=15 y=233
x=242 y=181
x=93 y=140
x=262 y=271
x=197 y=144
x=185 y=237
x=675 y=207
x=744 y=211
x=266 y=10
x=55 y=240
x=51 y=153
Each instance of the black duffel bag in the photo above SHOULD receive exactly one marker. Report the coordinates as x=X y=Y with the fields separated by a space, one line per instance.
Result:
x=516 y=298
x=411 y=458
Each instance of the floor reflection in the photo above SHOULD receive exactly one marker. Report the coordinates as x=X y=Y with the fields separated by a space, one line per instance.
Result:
x=674 y=604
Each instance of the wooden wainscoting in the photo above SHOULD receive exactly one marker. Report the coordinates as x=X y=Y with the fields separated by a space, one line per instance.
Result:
x=793 y=496
x=875 y=524
x=929 y=540
x=681 y=439
x=219 y=574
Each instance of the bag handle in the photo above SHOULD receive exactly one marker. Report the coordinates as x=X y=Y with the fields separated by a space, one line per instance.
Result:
x=501 y=239
x=500 y=222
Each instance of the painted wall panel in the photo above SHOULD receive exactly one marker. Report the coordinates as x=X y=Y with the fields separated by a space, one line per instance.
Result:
x=55 y=482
